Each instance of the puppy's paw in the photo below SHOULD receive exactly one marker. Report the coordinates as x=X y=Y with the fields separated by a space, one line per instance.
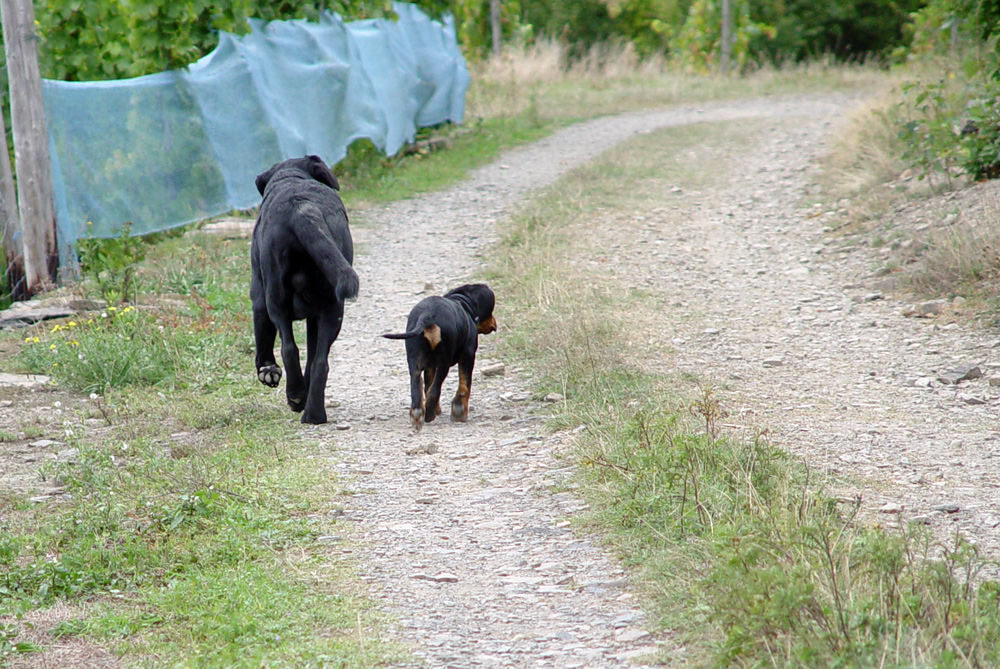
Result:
x=269 y=375
x=417 y=418
x=296 y=404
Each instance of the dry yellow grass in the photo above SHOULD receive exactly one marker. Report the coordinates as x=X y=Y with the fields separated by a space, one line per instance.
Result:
x=541 y=80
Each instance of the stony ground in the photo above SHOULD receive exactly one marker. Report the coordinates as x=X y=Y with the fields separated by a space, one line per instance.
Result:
x=461 y=531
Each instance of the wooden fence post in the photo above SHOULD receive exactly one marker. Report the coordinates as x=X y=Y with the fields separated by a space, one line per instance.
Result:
x=31 y=146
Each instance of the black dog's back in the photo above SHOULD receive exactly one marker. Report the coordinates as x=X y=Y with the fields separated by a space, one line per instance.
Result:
x=302 y=239
x=300 y=259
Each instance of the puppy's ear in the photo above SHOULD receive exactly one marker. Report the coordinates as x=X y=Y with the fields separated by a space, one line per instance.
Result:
x=321 y=173
x=264 y=177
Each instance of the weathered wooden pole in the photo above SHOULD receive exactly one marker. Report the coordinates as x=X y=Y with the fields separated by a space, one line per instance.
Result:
x=31 y=146
x=10 y=223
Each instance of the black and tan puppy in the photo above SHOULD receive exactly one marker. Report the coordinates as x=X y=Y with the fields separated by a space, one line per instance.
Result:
x=300 y=262
x=442 y=332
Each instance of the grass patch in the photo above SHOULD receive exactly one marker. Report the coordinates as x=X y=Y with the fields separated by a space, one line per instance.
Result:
x=744 y=555
x=192 y=514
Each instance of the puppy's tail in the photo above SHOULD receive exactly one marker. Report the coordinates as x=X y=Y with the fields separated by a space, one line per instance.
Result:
x=417 y=330
x=404 y=335
x=327 y=255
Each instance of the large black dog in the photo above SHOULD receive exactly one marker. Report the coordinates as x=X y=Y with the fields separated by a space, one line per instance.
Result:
x=300 y=262
x=442 y=332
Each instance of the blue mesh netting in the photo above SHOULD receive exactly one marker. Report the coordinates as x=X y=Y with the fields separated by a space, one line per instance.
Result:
x=166 y=149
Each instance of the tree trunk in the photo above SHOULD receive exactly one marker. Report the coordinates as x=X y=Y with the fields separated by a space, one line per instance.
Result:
x=31 y=146
x=495 y=25
x=726 y=37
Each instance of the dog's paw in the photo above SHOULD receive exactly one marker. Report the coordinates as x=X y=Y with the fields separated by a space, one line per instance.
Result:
x=296 y=404
x=417 y=418
x=314 y=419
x=269 y=375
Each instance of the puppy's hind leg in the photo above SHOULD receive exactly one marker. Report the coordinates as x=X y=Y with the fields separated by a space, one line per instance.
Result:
x=416 y=399
x=460 y=405
x=432 y=407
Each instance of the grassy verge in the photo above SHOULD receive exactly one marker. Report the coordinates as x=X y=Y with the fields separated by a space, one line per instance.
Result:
x=743 y=555
x=193 y=527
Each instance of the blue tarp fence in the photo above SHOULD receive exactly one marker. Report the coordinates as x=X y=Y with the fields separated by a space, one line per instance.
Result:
x=167 y=149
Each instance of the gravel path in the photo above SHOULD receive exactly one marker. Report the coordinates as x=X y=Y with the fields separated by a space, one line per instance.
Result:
x=464 y=541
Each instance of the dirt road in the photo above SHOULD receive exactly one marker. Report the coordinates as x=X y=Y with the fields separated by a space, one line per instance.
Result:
x=461 y=530
x=464 y=542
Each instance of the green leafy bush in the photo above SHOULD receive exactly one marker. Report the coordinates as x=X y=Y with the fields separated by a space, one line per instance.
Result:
x=111 y=263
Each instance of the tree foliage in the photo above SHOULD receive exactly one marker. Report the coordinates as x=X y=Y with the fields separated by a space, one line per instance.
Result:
x=115 y=39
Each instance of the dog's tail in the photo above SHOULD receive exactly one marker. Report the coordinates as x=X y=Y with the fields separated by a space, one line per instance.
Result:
x=404 y=335
x=326 y=253
x=418 y=329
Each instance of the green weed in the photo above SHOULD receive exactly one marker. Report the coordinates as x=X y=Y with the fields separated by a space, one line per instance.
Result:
x=110 y=263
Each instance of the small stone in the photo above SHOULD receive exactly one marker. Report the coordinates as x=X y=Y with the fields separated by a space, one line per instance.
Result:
x=872 y=297
x=891 y=507
x=994 y=382
x=553 y=398
x=23 y=380
x=43 y=443
x=773 y=362
x=961 y=373
x=329 y=539
x=931 y=308
x=428 y=287
x=343 y=426
x=633 y=635
x=948 y=508
x=921 y=520
x=68 y=455
x=424 y=500
x=493 y=369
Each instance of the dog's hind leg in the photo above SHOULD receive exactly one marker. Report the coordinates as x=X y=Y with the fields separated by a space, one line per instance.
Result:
x=417 y=395
x=264 y=334
x=432 y=407
x=321 y=331
x=460 y=405
x=428 y=382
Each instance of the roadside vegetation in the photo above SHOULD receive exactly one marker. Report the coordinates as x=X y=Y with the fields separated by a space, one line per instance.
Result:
x=193 y=525
x=742 y=552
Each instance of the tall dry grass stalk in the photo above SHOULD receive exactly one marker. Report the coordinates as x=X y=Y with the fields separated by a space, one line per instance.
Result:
x=964 y=251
